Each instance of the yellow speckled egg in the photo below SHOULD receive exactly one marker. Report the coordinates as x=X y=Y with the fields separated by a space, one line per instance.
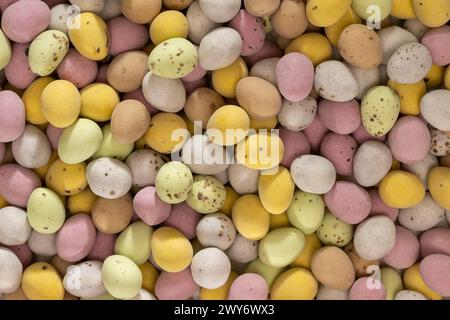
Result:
x=220 y=293
x=260 y=151
x=66 y=179
x=380 y=108
x=5 y=50
x=412 y=280
x=306 y=211
x=41 y=281
x=149 y=276
x=228 y=125
x=280 y=247
x=173 y=58
x=312 y=244
x=250 y=218
x=314 y=45
x=368 y=9
x=276 y=190
x=98 y=101
x=439 y=185
x=230 y=198
x=403 y=9
x=167 y=132
x=61 y=103
x=45 y=211
x=324 y=13
x=334 y=232
x=225 y=80
x=401 y=189
x=432 y=13
x=278 y=221
x=392 y=282
x=121 y=277
x=173 y=182
x=82 y=202
x=89 y=35
x=47 y=51
x=334 y=31
x=135 y=233
x=171 y=250
x=168 y=24
x=286 y=286
x=410 y=96
x=32 y=100
x=435 y=76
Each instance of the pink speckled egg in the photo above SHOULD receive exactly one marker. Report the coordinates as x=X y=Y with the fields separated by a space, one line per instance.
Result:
x=184 y=218
x=434 y=270
x=139 y=95
x=315 y=133
x=251 y=30
x=348 y=201
x=409 y=140
x=436 y=240
x=24 y=254
x=340 y=117
x=125 y=35
x=53 y=135
x=17 y=184
x=77 y=69
x=176 y=285
x=361 y=136
x=248 y=286
x=366 y=288
x=76 y=238
x=339 y=149
x=379 y=207
x=150 y=208
x=103 y=246
x=437 y=41
x=269 y=50
x=405 y=251
x=295 y=76
x=295 y=144
x=18 y=71
x=12 y=116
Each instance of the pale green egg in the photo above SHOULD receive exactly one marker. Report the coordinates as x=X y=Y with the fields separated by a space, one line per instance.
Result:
x=173 y=58
x=45 y=211
x=121 y=277
x=110 y=148
x=134 y=242
x=47 y=51
x=173 y=182
x=373 y=10
x=5 y=50
x=392 y=282
x=380 y=108
x=207 y=195
x=269 y=273
x=334 y=232
x=306 y=211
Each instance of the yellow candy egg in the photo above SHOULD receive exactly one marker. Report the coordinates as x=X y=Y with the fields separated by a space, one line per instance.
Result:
x=294 y=284
x=435 y=76
x=260 y=151
x=168 y=24
x=314 y=45
x=32 y=100
x=66 y=179
x=410 y=96
x=220 y=293
x=228 y=125
x=268 y=124
x=225 y=80
x=401 y=189
x=42 y=171
x=392 y=282
x=278 y=221
x=41 y=281
x=375 y=10
x=432 y=13
x=306 y=211
x=126 y=244
x=324 y=13
x=413 y=281
x=334 y=31
x=403 y=9
x=276 y=190
x=439 y=185
x=149 y=276
x=82 y=202
x=280 y=247
x=230 y=199
x=312 y=244
x=447 y=78
x=250 y=218
x=3 y=202
x=98 y=101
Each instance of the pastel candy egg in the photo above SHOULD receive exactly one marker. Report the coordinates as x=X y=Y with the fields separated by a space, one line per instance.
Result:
x=281 y=246
x=31 y=149
x=219 y=11
x=17 y=184
x=18 y=72
x=410 y=63
x=216 y=230
x=248 y=286
x=401 y=189
x=210 y=268
x=269 y=273
x=23 y=20
x=183 y=218
x=93 y=5
x=366 y=79
x=297 y=116
x=409 y=295
x=144 y=165
x=167 y=25
x=108 y=178
x=313 y=174
x=333 y=31
x=201 y=104
x=413 y=280
x=47 y=51
x=121 y=277
x=284 y=287
x=324 y=13
x=439 y=185
x=435 y=107
x=375 y=237
x=340 y=117
x=363 y=9
x=312 y=44
x=334 y=81
x=103 y=246
x=440 y=142
x=32 y=100
x=371 y=163
x=12 y=116
x=111 y=216
x=138 y=232
x=434 y=241
x=243 y=250
x=312 y=244
x=88 y=277
x=409 y=140
x=45 y=211
x=289 y=20
x=173 y=182
x=275 y=199
x=207 y=194
x=228 y=125
x=127 y=71
x=14 y=227
x=125 y=35
x=434 y=270
x=41 y=281
x=149 y=207
x=295 y=144
x=325 y=293
x=175 y=285
x=42 y=244
x=173 y=58
x=266 y=69
x=66 y=179
x=392 y=38
x=262 y=8
x=129 y=121
x=10 y=271
x=5 y=49
x=434 y=13
x=219 y=48
x=348 y=202
x=59 y=14
x=89 y=35
x=410 y=96
x=242 y=179
x=391 y=280
x=380 y=108
x=339 y=149
x=252 y=224
x=252 y=31
x=306 y=211
x=405 y=251
x=76 y=238
x=403 y=9
x=98 y=100
x=111 y=148
x=199 y=23
x=334 y=232
x=260 y=151
x=225 y=80
x=140 y=11
x=362 y=290
x=362 y=266
x=438 y=43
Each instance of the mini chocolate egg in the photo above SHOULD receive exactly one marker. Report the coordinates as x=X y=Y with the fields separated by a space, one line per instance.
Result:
x=306 y=211
x=84 y=280
x=434 y=107
x=305 y=169
x=334 y=81
x=289 y=20
x=144 y=165
x=423 y=216
x=10 y=271
x=32 y=149
x=125 y=245
x=297 y=116
x=243 y=180
x=207 y=194
x=174 y=182
x=410 y=63
x=14 y=226
x=243 y=250
x=5 y=49
x=216 y=230
x=276 y=190
x=121 y=277
x=334 y=232
x=392 y=38
x=45 y=211
x=220 y=11
x=210 y=268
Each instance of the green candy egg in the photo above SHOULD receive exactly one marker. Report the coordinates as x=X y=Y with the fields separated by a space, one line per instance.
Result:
x=110 y=148
x=173 y=58
x=392 y=282
x=207 y=195
x=45 y=211
x=79 y=141
x=306 y=211
x=5 y=50
x=380 y=108
x=334 y=232
x=47 y=51
x=136 y=233
x=269 y=273
x=281 y=246
x=173 y=182
x=121 y=277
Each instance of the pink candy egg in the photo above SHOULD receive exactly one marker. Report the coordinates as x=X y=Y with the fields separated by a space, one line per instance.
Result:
x=348 y=201
x=5 y=4
x=339 y=149
x=53 y=135
x=361 y=136
x=248 y=286
x=125 y=35
x=76 y=238
x=437 y=41
x=103 y=246
x=12 y=116
x=24 y=254
x=315 y=133
x=18 y=72
x=405 y=251
x=269 y=50
x=434 y=241
x=434 y=270
x=192 y=85
x=139 y=95
x=77 y=69
x=149 y=207
x=175 y=286
x=251 y=30
x=195 y=75
x=340 y=117
x=295 y=144
x=184 y=218
x=379 y=207
x=366 y=288
x=295 y=76
x=17 y=184
x=409 y=140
